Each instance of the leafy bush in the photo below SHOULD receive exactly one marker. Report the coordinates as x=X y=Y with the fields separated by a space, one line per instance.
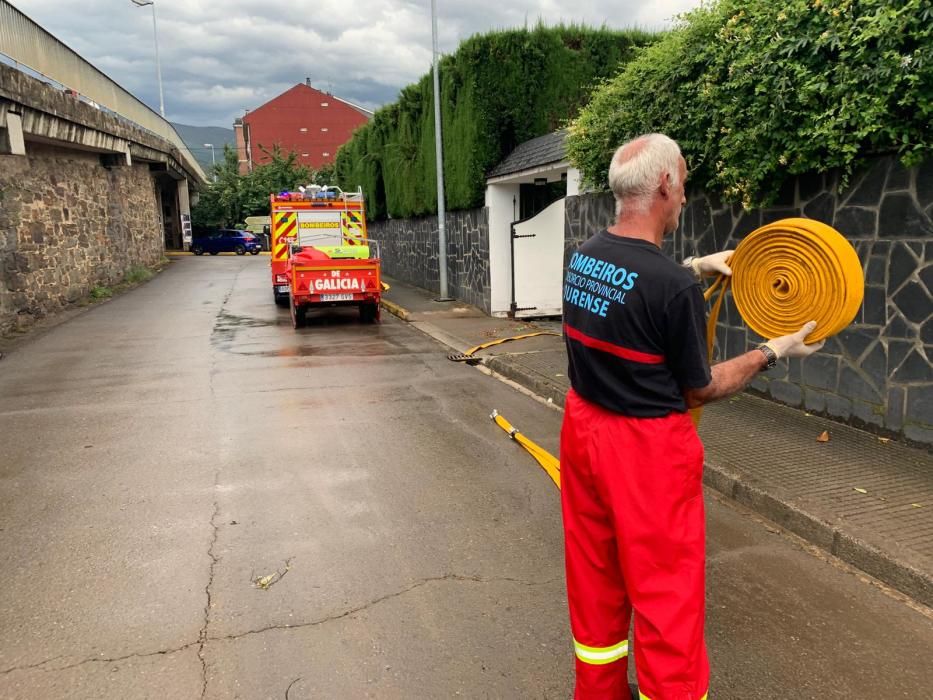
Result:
x=497 y=90
x=756 y=91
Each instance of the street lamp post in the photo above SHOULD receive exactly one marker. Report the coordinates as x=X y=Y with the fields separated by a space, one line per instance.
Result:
x=213 y=160
x=439 y=152
x=155 y=37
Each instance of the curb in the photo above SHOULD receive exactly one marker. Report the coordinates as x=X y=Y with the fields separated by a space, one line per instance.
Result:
x=540 y=385
x=882 y=565
x=187 y=253
x=861 y=555
x=395 y=309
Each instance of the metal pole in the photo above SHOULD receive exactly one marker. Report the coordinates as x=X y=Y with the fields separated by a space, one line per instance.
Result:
x=213 y=160
x=439 y=151
x=155 y=35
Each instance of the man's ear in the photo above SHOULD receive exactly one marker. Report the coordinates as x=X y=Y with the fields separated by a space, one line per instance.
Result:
x=664 y=187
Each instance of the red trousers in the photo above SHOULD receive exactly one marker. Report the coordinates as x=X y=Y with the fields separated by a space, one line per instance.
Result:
x=634 y=532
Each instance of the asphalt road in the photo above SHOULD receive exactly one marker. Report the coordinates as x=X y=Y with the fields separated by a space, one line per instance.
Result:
x=165 y=451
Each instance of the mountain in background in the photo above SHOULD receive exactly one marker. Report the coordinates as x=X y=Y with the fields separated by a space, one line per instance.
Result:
x=196 y=136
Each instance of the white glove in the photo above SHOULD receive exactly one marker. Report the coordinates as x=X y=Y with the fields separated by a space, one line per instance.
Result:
x=793 y=345
x=714 y=264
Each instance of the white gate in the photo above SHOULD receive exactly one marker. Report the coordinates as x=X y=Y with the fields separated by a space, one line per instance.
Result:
x=538 y=263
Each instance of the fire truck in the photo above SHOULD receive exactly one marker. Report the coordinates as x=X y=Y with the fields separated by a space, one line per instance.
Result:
x=321 y=255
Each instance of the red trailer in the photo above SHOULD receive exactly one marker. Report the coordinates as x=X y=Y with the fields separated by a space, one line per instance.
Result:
x=324 y=276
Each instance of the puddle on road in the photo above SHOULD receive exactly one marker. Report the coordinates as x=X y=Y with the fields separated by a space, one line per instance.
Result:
x=361 y=341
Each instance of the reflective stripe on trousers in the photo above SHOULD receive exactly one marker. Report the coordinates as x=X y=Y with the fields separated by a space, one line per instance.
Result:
x=601 y=655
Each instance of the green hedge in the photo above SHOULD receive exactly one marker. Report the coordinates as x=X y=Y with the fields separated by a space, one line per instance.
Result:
x=757 y=90
x=497 y=90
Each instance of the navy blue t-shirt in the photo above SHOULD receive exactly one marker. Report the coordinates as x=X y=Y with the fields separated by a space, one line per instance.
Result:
x=635 y=327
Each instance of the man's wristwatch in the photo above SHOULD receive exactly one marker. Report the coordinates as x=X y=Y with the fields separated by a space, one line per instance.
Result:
x=769 y=356
x=688 y=263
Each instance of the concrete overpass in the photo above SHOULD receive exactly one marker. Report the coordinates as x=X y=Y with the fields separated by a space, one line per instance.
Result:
x=92 y=181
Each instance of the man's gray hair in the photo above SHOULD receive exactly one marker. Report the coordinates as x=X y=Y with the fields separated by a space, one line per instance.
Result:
x=636 y=168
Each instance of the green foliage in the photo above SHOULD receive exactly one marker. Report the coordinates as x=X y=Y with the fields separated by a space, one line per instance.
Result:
x=232 y=197
x=137 y=274
x=101 y=292
x=755 y=91
x=497 y=90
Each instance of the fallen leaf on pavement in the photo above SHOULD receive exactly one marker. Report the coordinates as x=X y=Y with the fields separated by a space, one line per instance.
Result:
x=266 y=581
x=824 y=436
x=884 y=441
x=917 y=505
x=861 y=490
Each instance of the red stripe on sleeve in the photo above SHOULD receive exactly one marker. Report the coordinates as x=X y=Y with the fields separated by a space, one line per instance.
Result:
x=617 y=350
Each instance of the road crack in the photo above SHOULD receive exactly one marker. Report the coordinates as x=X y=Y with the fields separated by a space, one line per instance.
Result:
x=95 y=659
x=381 y=599
x=202 y=636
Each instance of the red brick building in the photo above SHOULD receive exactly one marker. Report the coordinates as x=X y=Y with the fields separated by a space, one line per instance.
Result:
x=307 y=121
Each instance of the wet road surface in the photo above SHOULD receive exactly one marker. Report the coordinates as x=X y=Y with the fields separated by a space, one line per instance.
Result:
x=197 y=501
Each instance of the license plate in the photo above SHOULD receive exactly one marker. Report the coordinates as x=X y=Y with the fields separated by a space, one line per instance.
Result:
x=281 y=289
x=336 y=297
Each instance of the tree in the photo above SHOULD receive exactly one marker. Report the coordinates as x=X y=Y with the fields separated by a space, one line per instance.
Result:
x=232 y=197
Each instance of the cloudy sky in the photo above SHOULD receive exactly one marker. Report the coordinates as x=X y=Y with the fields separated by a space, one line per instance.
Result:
x=222 y=57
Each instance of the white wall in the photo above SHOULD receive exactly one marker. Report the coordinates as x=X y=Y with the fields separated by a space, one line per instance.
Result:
x=503 y=204
x=574 y=182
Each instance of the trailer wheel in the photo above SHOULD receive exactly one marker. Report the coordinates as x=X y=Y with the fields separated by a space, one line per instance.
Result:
x=240 y=249
x=369 y=313
x=197 y=250
x=298 y=315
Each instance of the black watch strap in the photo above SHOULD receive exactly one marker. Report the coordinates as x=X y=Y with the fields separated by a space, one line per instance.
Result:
x=770 y=356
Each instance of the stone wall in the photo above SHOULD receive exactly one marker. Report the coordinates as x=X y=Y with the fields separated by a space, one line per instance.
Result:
x=878 y=373
x=409 y=249
x=68 y=224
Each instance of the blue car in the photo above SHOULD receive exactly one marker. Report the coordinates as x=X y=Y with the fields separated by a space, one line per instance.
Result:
x=225 y=240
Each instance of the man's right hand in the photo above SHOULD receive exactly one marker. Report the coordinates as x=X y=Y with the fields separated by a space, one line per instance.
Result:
x=793 y=345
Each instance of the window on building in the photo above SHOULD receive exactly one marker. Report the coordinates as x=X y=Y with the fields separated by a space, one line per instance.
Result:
x=325 y=104
x=323 y=128
x=303 y=129
x=305 y=155
x=325 y=154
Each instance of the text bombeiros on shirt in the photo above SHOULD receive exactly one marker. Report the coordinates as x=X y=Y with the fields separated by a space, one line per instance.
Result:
x=593 y=284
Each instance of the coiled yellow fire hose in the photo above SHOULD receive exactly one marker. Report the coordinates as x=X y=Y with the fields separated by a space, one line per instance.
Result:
x=783 y=274
x=790 y=272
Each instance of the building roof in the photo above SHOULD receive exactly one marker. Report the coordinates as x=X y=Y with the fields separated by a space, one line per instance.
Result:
x=368 y=113
x=314 y=92
x=543 y=150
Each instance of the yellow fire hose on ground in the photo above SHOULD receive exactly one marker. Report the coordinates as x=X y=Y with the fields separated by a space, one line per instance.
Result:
x=548 y=462
x=470 y=359
x=783 y=275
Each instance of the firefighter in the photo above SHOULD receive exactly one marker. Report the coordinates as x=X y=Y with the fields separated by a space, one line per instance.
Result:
x=631 y=461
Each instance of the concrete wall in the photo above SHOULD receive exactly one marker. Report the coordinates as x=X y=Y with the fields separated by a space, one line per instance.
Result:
x=409 y=249
x=68 y=224
x=879 y=372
